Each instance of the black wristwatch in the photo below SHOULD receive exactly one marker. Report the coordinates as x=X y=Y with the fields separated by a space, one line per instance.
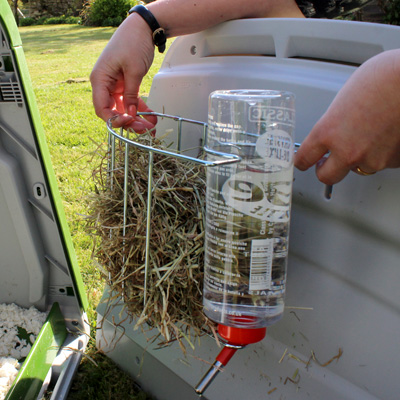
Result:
x=159 y=36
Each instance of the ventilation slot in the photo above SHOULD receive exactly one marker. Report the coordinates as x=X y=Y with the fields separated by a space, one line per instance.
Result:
x=3 y=40
x=10 y=92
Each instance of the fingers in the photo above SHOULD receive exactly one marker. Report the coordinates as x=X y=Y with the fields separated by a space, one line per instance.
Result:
x=103 y=102
x=143 y=107
x=334 y=162
x=118 y=73
x=318 y=150
x=130 y=91
x=330 y=170
x=311 y=150
x=141 y=124
x=309 y=154
x=110 y=101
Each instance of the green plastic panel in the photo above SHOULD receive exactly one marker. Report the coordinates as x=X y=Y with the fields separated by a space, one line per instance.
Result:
x=8 y=21
x=30 y=378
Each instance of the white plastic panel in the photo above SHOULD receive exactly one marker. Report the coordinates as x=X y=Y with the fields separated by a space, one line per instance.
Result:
x=344 y=263
x=22 y=254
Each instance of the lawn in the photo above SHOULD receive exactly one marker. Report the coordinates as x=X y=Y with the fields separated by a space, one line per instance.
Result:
x=60 y=59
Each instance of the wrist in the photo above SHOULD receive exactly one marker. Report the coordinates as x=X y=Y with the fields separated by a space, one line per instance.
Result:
x=135 y=31
x=158 y=33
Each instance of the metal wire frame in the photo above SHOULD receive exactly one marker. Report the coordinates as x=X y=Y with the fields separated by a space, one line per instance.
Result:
x=222 y=158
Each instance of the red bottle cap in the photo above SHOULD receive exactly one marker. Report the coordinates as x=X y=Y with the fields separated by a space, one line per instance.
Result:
x=241 y=336
x=234 y=336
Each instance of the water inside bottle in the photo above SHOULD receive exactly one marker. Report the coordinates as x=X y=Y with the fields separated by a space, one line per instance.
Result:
x=247 y=226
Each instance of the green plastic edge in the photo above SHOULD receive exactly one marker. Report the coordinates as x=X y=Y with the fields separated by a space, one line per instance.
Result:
x=8 y=20
x=30 y=378
x=15 y=41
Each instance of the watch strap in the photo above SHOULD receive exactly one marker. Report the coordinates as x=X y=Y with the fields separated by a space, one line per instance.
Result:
x=159 y=35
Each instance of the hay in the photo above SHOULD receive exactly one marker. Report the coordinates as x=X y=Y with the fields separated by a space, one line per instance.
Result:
x=173 y=301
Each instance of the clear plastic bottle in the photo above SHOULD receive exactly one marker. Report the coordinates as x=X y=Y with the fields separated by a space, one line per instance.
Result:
x=248 y=206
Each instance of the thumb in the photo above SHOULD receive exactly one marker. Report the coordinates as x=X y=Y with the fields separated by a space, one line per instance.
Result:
x=133 y=73
x=131 y=93
x=131 y=110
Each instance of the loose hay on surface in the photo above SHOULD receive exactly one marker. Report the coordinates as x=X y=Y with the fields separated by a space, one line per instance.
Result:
x=175 y=277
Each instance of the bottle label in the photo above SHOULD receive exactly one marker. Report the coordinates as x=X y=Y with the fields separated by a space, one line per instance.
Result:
x=276 y=148
x=261 y=264
x=258 y=195
x=270 y=114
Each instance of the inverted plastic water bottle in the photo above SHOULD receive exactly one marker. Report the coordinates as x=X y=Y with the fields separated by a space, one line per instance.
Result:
x=248 y=207
x=248 y=213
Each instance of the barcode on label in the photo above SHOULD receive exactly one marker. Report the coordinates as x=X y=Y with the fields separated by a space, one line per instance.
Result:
x=261 y=264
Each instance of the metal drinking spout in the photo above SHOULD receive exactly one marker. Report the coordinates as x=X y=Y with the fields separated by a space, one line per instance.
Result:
x=235 y=339
x=220 y=362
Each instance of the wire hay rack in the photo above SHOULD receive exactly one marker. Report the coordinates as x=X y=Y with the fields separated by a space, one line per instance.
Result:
x=149 y=215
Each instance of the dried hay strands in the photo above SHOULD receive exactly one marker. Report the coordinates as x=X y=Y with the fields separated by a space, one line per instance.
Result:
x=174 y=287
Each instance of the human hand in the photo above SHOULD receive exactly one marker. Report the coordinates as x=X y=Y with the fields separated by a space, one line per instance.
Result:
x=118 y=73
x=361 y=128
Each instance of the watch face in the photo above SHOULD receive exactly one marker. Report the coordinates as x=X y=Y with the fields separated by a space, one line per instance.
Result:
x=159 y=38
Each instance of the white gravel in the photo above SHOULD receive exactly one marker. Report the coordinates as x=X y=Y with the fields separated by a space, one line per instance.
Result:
x=12 y=348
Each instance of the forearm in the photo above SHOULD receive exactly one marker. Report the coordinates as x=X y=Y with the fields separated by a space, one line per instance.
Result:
x=118 y=72
x=181 y=17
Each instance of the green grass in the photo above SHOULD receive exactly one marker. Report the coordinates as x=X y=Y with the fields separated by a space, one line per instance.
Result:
x=60 y=59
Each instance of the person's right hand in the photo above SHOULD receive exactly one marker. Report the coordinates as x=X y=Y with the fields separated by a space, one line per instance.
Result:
x=118 y=73
x=361 y=128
